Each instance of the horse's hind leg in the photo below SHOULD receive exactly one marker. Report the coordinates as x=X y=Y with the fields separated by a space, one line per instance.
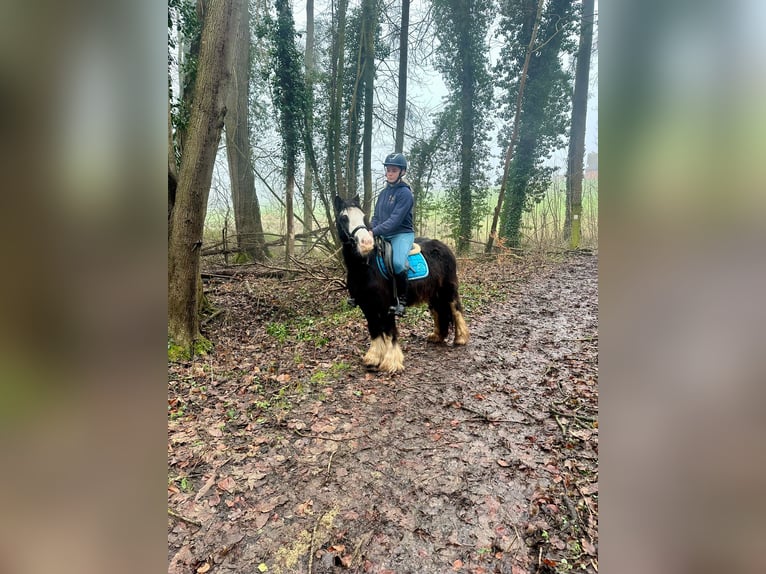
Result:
x=442 y=316
x=461 y=329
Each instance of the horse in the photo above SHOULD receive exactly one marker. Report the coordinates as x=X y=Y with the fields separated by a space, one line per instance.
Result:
x=373 y=292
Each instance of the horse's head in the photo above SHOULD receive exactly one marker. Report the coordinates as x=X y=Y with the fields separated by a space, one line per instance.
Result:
x=352 y=224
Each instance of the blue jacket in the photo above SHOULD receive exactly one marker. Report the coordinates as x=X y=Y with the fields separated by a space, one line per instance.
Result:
x=393 y=210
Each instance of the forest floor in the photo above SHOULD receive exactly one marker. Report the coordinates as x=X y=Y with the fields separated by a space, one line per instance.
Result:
x=286 y=456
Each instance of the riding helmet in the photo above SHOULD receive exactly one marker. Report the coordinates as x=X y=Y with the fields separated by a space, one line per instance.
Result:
x=396 y=159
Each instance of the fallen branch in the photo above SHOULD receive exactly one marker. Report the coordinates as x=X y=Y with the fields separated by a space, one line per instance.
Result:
x=299 y=433
x=183 y=518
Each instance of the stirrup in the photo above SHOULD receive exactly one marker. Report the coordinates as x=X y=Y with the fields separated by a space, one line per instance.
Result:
x=397 y=309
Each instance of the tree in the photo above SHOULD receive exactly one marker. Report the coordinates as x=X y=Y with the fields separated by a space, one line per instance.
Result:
x=290 y=104
x=461 y=27
x=401 y=111
x=577 y=133
x=308 y=175
x=545 y=102
x=195 y=174
x=369 y=27
x=247 y=210
x=515 y=132
x=336 y=79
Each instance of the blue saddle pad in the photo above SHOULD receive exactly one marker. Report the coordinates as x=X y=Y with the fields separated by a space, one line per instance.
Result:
x=418 y=267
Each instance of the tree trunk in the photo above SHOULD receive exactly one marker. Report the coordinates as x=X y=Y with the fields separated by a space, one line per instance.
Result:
x=468 y=92
x=368 y=73
x=308 y=174
x=401 y=112
x=577 y=134
x=195 y=174
x=514 y=133
x=247 y=210
x=289 y=211
x=172 y=171
x=336 y=102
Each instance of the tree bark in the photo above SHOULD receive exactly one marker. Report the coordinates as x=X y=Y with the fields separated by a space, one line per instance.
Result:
x=368 y=73
x=247 y=210
x=336 y=102
x=196 y=171
x=577 y=134
x=308 y=177
x=401 y=112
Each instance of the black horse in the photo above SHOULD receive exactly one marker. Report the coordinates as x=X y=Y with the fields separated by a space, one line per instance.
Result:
x=374 y=293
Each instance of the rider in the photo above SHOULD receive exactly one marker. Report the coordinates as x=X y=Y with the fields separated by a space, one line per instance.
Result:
x=393 y=221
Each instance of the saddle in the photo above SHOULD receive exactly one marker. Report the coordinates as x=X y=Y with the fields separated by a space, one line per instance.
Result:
x=417 y=266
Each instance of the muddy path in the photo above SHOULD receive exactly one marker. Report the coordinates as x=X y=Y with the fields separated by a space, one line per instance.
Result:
x=478 y=459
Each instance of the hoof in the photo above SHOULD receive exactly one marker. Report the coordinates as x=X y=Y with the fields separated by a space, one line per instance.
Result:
x=434 y=338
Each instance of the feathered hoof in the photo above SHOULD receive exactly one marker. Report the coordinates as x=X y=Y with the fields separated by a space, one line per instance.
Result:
x=434 y=338
x=462 y=340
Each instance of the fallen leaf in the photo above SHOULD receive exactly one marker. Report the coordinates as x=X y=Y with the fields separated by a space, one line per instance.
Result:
x=304 y=507
x=262 y=567
x=588 y=547
x=261 y=520
x=226 y=484
x=204 y=568
x=502 y=462
x=205 y=487
x=457 y=565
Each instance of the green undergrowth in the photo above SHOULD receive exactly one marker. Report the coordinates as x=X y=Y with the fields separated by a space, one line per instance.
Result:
x=177 y=353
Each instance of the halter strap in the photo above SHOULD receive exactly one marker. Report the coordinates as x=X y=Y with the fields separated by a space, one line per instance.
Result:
x=357 y=228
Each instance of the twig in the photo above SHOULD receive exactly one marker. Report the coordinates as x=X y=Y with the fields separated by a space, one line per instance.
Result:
x=574 y=415
x=311 y=544
x=184 y=518
x=584 y=499
x=332 y=454
x=207 y=320
x=561 y=426
x=572 y=509
x=482 y=416
x=299 y=433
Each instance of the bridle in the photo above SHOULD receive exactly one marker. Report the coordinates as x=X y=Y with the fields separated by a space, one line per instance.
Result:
x=351 y=235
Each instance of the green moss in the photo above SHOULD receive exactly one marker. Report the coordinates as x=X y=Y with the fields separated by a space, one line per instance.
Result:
x=201 y=347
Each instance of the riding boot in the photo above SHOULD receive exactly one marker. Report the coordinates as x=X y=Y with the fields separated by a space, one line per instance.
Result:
x=402 y=285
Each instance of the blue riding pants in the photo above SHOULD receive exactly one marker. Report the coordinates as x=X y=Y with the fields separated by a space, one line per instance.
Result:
x=401 y=244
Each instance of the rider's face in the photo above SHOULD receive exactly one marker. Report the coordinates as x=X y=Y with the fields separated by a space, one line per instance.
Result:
x=392 y=173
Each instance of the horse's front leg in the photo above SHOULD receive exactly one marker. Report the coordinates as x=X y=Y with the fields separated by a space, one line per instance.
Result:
x=377 y=350
x=393 y=358
x=385 y=353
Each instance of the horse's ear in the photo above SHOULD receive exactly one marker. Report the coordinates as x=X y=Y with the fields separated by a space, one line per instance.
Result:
x=356 y=199
x=338 y=204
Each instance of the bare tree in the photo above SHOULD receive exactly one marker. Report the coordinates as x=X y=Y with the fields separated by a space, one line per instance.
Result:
x=247 y=210
x=401 y=112
x=195 y=174
x=577 y=134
